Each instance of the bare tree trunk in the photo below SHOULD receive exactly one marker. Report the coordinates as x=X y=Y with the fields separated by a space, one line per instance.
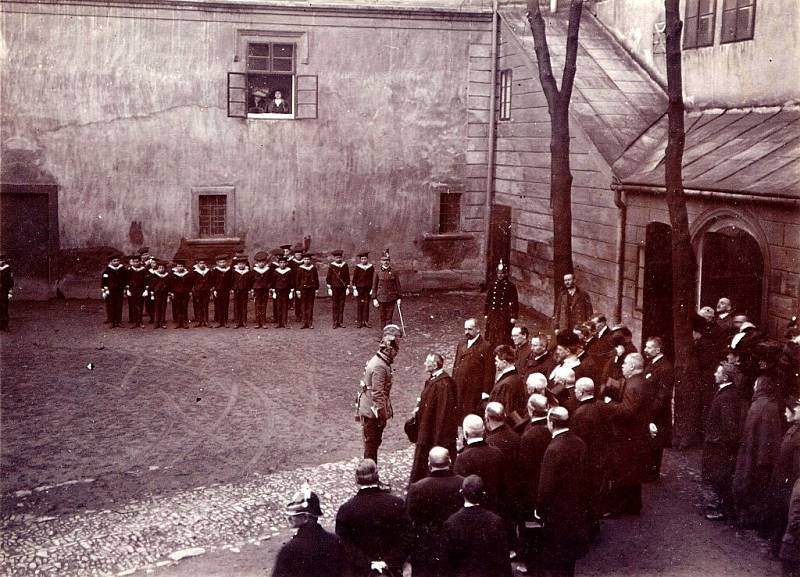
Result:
x=558 y=107
x=687 y=391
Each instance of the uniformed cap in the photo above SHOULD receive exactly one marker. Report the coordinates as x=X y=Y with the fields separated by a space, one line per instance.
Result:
x=337 y=252
x=161 y=262
x=501 y=266
x=117 y=255
x=567 y=339
x=393 y=330
x=286 y=246
x=240 y=258
x=180 y=262
x=306 y=255
x=199 y=258
x=282 y=258
x=222 y=257
x=261 y=256
x=363 y=253
x=304 y=502
x=144 y=250
x=131 y=257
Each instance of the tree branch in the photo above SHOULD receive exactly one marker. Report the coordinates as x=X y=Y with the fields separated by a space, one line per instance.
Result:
x=546 y=78
x=568 y=78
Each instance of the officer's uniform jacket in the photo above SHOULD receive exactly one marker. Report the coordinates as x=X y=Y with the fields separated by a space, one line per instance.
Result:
x=376 y=386
x=386 y=285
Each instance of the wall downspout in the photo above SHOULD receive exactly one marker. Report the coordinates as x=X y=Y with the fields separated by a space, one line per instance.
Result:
x=491 y=149
x=622 y=217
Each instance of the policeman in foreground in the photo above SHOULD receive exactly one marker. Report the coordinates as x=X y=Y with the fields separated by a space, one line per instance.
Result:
x=313 y=551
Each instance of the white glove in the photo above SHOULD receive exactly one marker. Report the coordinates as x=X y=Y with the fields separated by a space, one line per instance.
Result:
x=10 y=295
x=484 y=396
x=347 y=291
x=653 y=430
x=104 y=292
x=290 y=294
x=214 y=292
x=355 y=292
x=375 y=303
x=378 y=566
x=170 y=296
x=145 y=293
x=330 y=292
x=297 y=294
x=127 y=292
x=272 y=294
x=399 y=301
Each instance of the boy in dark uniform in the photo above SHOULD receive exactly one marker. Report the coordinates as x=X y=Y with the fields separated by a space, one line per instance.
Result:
x=114 y=281
x=294 y=264
x=159 y=294
x=180 y=287
x=287 y=255
x=221 y=289
x=338 y=281
x=386 y=290
x=262 y=278
x=149 y=263
x=135 y=290
x=6 y=286
x=363 y=275
x=241 y=283
x=306 y=285
x=202 y=282
x=282 y=290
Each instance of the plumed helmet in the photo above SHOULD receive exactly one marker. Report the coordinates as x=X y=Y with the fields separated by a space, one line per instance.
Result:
x=305 y=501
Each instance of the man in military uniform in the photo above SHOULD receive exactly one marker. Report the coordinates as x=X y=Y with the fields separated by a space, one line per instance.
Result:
x=338 y=281
x=386 y=290
x=113 y=288
x=363 y=276
x=502 y=308
x=313 y=551
x=374 y=407
x=6 y=286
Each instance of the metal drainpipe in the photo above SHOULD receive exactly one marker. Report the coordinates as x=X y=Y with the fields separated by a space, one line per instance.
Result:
x=622 y=218
x=490 y=147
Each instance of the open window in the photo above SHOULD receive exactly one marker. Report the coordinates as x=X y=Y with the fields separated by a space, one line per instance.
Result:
x=271 y=88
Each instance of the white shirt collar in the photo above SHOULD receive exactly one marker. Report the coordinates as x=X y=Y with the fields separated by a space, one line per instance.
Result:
x=220 y=269
x=558 y=432
x=725 y=385
x=503 y=372
x=304 y=267
x=260 y=270
x=364 y=266
x=176 y=273
x=242 y=270
x=474 y=440
x=112 y=267
x=339 y=264
x=655 y=358
x=471 y=341
x=436 y=373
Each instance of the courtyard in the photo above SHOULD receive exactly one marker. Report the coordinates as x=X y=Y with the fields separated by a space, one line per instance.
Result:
x=173 y=451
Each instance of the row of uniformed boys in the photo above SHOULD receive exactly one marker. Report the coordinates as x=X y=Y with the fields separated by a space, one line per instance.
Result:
x=149 y=285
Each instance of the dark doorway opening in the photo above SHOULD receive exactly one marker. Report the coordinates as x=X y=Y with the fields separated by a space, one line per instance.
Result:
x=657 y=289
x=733 y=267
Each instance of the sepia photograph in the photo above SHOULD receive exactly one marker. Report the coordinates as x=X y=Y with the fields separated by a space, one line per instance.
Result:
x=399 y=288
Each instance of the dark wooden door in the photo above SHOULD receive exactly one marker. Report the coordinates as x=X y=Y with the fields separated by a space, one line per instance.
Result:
x=733 y=267
x=500 y=239
x=657 y=297
x=24 y=233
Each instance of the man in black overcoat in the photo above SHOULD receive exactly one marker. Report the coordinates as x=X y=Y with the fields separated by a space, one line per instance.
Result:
x=312 y=552
x=430 y=502
x=532 y=445
x=480 y=458
x=502 y=308
x=475 y=537
x=499 y=434
x=658 y=371
x=509 y=389
x=436 y=414
x=541 y=359
x=632 y=419
x=522 y=350
x=592 y=422
x=373 y=525
x=564 y=493
x=723 y=431
x=473 y=369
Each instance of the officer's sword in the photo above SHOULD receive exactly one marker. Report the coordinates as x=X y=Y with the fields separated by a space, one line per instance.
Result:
x=402 y=324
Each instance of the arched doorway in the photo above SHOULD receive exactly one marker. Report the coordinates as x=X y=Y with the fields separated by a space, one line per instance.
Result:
x=732 y=265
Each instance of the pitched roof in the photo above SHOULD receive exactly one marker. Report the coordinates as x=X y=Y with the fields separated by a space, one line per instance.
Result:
x=613 y=99
x=748 y=151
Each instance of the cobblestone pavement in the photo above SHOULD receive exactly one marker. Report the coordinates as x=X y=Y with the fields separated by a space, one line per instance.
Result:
x=161 y=530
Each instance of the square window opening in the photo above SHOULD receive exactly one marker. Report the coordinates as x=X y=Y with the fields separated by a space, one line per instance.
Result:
x=212 y=214
x=449 y=212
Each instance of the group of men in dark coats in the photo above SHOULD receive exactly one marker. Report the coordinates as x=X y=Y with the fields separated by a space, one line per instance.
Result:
x=751 y=451
x=286 y=281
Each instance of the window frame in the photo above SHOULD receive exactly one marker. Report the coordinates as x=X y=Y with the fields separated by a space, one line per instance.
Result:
x=446 y=218
x=249 y=72
x=229 y=192
x=696 y=17
x=738 y=6
x=506 y=80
